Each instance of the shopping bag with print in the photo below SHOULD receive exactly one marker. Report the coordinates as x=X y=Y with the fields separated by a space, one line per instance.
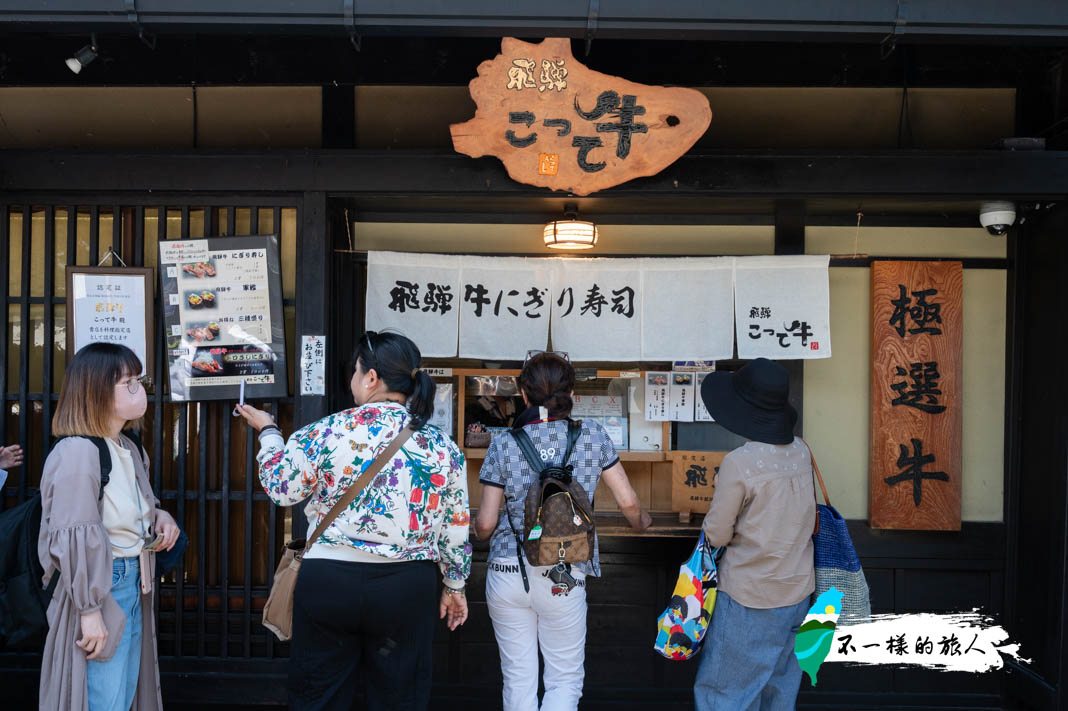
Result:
x=682 y=625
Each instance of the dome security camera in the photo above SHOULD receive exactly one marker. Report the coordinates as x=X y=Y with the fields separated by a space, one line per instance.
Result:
x=997 y=216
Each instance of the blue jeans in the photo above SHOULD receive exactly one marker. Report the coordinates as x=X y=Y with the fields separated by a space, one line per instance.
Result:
x=747 y=662
x=112 y=684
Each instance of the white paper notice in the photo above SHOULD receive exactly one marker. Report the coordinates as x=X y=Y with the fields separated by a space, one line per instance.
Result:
x=504 y=306
x=110 y=308
x=680 y=404
x=782 y=307
x=416 y=295
x=442 y=416
x=313 y=365
x=656 y=396
x=700 y=412
x=643 y=435
x=687 y=308
x=597 y=309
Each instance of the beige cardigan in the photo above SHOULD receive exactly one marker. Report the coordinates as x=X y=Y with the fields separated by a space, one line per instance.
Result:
x=74 y=542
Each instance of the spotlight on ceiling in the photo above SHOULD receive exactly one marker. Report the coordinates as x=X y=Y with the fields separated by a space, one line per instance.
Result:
x=83 y=57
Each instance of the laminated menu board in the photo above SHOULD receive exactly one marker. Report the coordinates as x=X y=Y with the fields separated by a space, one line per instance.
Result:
x=222 y=308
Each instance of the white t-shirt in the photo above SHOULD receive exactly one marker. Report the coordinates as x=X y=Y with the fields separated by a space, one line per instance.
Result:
x=126 y=515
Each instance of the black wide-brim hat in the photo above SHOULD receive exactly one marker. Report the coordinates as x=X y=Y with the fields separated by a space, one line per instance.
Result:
x=752 y=402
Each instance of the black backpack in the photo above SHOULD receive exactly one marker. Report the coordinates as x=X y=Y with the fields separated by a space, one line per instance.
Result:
x=23 y=602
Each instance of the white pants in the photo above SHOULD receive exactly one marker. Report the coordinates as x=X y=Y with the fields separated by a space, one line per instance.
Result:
x=523 y=622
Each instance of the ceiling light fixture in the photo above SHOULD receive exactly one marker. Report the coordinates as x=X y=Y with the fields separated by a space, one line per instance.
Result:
x=83 y=57
x=570 y=232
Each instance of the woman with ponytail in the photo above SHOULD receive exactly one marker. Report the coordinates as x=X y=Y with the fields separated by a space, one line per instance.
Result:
x=367 y=590
x=529 y=608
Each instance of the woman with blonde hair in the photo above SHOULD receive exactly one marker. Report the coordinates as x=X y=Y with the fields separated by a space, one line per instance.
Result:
x=100 y=652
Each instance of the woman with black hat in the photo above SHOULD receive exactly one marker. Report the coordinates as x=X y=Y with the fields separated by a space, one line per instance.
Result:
x=763 y=511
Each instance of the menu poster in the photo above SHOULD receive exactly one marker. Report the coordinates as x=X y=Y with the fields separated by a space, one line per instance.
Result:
x=222 y=308
x=700 y=412
x=681 y=397
x=110 y=305
x=656 y=396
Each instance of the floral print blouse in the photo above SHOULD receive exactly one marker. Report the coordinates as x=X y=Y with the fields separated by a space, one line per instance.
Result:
x=416 y=508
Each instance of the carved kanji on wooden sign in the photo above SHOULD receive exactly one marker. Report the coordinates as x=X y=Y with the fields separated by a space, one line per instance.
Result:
x=556 y=124
x=916 y=399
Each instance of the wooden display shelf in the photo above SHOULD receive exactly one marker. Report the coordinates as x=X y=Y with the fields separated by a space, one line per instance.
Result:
x=665 y=525
x=613 y=525
x=627 y=455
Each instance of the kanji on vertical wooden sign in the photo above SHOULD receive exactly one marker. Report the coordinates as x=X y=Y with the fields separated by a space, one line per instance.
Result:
x=916 y=352
x=693 y=481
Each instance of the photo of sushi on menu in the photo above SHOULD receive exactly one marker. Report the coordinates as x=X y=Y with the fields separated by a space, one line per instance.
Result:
x=220 y=312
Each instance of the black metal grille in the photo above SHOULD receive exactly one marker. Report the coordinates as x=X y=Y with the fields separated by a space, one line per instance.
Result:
x=203 y=466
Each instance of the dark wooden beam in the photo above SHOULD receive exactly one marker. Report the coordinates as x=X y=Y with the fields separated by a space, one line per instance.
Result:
x=1018 y=176
x=1024 y=20
x=339 y=116
x=790 y=227
x=790 y=239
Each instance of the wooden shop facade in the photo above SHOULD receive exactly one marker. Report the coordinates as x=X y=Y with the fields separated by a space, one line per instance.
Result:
x=876 y=136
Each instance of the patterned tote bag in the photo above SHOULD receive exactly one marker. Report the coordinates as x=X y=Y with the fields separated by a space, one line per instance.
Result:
x=682 y=626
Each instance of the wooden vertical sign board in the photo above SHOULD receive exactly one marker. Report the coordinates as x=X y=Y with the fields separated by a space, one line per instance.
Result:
x=916 y=347
x=693 y=481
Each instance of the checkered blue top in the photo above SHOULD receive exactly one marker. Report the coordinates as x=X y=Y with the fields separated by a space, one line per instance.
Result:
x=506 y=467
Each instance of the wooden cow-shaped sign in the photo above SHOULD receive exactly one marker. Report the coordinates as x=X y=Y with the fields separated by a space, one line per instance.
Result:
x=556 y=124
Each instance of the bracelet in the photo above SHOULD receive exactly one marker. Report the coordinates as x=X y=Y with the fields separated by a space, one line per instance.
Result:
x=268 y=428
x=455 y=591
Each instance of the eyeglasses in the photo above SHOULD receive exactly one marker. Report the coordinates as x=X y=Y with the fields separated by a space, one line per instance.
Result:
x=561 y=354
x=134 y=383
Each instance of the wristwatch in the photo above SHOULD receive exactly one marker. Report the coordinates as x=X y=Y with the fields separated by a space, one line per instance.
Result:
x=455 y=591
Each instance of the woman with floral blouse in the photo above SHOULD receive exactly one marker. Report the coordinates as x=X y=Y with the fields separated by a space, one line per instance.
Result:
x=365 y=596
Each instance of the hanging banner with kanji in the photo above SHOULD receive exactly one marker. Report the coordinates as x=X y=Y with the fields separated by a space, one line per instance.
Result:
x=782 y=307
x=652 y=309
x=504 y=306
x=415 y=295
x=688 y=308
x=597 y=309
x=555 y=123
x=916 y=417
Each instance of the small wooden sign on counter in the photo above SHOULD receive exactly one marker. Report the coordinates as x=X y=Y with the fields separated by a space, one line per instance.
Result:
x=916 y=417
x=693 y=481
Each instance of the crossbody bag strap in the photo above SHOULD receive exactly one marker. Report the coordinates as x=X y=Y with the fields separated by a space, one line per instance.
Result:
x=823 y=488
x=574 y=431
x=527 y=448
x=360 y=484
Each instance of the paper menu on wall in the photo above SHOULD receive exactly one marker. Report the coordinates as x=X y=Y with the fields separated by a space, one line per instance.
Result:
x=700 y=412
x=443 y=407
x=680 y=397
x=656 y=396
